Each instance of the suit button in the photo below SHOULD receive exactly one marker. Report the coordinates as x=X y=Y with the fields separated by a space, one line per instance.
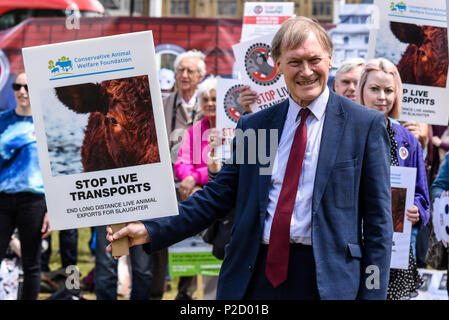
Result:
x=250 y=268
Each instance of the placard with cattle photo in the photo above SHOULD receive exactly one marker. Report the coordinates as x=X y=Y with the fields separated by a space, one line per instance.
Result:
x=402 y=181
x=413 y=35
x=100 y=130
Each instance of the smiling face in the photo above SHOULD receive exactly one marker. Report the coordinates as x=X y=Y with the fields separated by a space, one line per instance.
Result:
x=209 y=103
x=305 y=69
x=188 y=75
x=379 y=91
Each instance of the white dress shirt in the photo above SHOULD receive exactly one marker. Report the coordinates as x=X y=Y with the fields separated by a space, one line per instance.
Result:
x=300 y=226
x=188 y=105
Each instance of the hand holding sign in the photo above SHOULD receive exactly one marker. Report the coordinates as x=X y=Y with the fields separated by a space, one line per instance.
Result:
x=135 y=231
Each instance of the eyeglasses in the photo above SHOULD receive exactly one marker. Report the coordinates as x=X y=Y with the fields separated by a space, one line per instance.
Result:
x=189 y=71
x=17 y=86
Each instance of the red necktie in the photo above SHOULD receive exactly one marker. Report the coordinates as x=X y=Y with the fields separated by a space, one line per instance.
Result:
x=279 y=246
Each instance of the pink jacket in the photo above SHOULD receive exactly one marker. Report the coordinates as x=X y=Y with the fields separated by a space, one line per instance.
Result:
x=193 y=155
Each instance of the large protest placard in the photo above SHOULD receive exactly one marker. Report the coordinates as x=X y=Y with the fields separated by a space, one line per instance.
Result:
x=403 y=181
x=259 y=71
x=413 y=35
x=260 y=18
x=100 y=130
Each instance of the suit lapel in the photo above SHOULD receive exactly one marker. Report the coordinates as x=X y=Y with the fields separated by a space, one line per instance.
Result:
x=333 y=128
x=273 y=120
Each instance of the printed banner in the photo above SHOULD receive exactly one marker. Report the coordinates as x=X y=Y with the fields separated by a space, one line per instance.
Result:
x=100 y=130
x=258 y=70
x=413 y=35
x=260 y=18
x=403 y=181
x=191 y=257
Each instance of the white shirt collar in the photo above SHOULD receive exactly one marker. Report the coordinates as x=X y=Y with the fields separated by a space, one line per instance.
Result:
x=191 y=103
x=317 y=107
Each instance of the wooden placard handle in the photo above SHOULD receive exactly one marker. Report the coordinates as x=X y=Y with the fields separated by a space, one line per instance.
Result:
x=199 y=287
x=120 y=247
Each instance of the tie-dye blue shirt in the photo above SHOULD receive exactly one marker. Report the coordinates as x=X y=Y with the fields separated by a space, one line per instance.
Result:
x=19 y=163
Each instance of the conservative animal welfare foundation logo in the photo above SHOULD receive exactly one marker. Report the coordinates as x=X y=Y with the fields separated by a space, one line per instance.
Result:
x=61 y=67
x=259 y=65
x=399 y=7
x=232 y=107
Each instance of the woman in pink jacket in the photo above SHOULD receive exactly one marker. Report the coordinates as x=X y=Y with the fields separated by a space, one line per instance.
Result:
x=191 y=167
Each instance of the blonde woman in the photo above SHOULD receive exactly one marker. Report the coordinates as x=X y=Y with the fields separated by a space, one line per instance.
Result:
x=380 y=88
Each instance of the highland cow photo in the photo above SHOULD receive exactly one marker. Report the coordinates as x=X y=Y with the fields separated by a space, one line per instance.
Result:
x=114 y=126
x=100 y=131
x=414 y=37
x=420 y=52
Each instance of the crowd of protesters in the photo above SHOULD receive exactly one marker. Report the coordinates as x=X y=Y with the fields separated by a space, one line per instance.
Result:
x=190 y=110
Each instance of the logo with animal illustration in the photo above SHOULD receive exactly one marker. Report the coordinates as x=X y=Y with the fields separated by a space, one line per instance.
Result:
x=62 y=66
x=399 y=7
x=232 y=107
x=260 y=66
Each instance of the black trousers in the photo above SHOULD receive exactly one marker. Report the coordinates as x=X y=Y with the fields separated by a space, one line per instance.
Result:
x=68 y=247
x=24 y=211
x=301 y=277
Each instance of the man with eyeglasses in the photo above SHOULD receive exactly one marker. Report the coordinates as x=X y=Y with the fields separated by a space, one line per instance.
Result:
x=182 y=110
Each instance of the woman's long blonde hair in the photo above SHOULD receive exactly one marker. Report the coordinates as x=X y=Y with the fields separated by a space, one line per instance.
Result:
x=385 y=65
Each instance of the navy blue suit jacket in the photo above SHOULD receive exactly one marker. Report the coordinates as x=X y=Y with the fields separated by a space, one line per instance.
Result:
x=351 y=207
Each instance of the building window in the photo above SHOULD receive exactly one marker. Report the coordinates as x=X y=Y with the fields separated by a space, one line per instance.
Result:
x=227 y=7
x=180 y=7
x=322 y=8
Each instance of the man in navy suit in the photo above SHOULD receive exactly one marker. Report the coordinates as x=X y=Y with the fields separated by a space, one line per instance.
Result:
x=333 y=190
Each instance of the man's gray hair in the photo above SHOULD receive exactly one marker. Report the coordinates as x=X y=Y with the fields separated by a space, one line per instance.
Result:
x=348 y=65
x=193 y=54
x=295 y=31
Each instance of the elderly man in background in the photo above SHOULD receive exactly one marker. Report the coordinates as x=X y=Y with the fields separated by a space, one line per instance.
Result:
x=347 y=76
